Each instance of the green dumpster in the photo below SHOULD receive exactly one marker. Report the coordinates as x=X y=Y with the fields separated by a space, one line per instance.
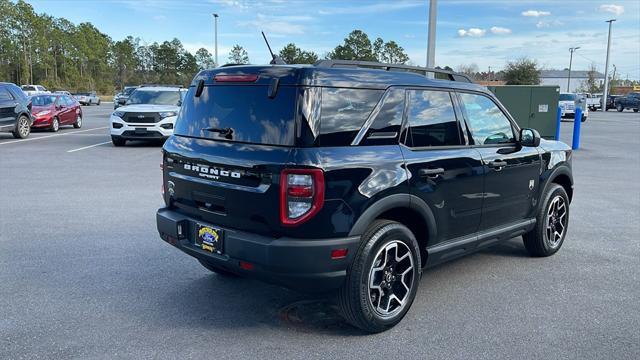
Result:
x=532 y=106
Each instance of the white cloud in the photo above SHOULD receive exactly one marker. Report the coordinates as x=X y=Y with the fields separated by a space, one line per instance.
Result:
x=500 y=30
x=612 y=8
x=273 y=26
x=535 y=13
x=543 y=24
x=472 y=32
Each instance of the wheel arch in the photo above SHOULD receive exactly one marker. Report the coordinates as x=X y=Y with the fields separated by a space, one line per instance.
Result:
x=562 y=176
x=409 y=210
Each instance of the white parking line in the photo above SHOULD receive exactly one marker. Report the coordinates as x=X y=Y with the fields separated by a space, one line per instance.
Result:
x=89 y=147
x=50 y=136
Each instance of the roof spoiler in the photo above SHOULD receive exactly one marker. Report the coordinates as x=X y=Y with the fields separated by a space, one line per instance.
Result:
x=444 y=74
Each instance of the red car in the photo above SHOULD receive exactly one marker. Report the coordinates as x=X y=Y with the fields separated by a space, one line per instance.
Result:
x=53 y=110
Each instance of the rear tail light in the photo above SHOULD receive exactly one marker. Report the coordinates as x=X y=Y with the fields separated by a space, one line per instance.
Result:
x=301 y=195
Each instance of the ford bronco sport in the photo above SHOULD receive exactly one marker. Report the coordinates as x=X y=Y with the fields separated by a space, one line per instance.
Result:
x=351 y=177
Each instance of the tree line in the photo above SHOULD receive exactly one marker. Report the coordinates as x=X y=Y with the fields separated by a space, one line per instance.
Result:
x=42 y=49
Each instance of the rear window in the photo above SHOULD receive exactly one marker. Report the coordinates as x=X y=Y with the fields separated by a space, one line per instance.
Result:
x=240 y=113
x=28 y=88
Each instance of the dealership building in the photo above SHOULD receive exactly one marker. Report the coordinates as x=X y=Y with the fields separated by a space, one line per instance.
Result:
x=560 y=77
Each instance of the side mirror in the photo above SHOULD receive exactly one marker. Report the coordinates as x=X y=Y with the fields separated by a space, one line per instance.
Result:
x=122 y=101
x=529 y=137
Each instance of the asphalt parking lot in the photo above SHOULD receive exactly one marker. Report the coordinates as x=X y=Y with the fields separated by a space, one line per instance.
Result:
x=83 y=273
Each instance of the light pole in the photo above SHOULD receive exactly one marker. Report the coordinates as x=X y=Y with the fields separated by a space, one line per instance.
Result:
x=571 y=50
x=431 y=41
x=606 y=70
x=215 y=21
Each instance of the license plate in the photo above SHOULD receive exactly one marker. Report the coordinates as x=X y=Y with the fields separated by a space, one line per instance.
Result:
x=141 y=131
x=209 y=238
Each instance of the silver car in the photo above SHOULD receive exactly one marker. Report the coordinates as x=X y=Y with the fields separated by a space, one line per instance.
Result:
x=87 y=98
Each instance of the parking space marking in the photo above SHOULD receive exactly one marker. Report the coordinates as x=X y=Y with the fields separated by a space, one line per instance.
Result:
x=50 y=136
x=89 y=147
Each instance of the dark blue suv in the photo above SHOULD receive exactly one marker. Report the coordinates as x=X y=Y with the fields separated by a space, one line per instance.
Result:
x=15 y=111
x=351 y=177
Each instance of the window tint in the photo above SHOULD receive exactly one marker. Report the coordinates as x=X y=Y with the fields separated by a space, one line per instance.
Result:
x=385 y=127
x=28 y=88
x=5 y=95
x=17 y=92
x=343 y=112
x=247 y=111
x=43 y=100
x=431 y=119
x=487 y=123
x=69 y=101
x=154 y=97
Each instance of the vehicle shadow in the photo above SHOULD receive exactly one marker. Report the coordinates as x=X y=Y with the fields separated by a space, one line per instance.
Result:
x=217 y=301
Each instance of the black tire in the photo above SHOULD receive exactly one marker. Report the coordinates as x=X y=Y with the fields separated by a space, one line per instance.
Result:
x=583 y=118
x=356 y=298
x=619 y=108
x=635 y=110
x=23 y=128
x=118 y=141
x=98 y=102
x=538 y=241
x=216 y=269
x=78 y=123
x=55 y=125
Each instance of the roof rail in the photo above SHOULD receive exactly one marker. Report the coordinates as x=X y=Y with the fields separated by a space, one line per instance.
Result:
x=160 y=85
x=445 y=74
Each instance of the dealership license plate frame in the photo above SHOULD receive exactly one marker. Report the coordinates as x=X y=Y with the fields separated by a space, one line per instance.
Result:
x=209 y=238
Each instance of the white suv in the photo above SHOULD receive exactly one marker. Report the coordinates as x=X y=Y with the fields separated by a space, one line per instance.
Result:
x=149 y=114
x=31 y=90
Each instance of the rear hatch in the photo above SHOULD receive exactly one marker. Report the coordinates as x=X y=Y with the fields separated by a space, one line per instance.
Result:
x=232 y=138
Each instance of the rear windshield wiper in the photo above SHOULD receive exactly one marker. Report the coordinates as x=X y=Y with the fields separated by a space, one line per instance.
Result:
x=227 y=133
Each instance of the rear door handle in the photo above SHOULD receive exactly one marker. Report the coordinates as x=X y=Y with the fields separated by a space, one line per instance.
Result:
x=431 y=173
x=497 y=164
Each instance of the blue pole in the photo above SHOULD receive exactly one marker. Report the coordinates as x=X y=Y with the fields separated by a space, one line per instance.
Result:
x=577 y=121
x=558 y=122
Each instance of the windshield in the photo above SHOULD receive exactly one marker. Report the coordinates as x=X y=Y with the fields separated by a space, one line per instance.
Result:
x=128 y=91
x=153 y=97
x=567 y=97
x=28 y=88
x=240 y=114
x=43 y=100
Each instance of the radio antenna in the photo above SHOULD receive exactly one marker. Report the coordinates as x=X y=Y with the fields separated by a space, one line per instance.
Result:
x=274 y=58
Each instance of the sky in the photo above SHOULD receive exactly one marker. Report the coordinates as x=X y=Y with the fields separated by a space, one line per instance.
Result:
x=484 y=33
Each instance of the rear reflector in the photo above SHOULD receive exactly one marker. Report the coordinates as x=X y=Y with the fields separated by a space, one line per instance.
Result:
x=246 y=266
x=339 y=253
x=236 y=78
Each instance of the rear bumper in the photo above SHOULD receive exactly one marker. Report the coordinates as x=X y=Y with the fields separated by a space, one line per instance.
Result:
x=301 y=264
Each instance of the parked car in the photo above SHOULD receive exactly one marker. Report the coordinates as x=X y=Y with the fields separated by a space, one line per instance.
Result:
x=15 y=110
x=87 y=98
x=568 y=102
x=629 y=101
x=62 y=92
x=149 y=114
x=121 y=98
x=54 y=110
x=31 y=90
x=351 y=177
x=611 y=102
x=593 y=100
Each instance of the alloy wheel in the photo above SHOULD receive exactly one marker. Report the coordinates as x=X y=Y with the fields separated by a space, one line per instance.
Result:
x=391 y=278
x=23 y=127
x=556 y=222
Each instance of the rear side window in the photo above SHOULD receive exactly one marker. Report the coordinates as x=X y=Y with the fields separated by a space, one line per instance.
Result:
x=240 y=114
x=5 y=95
x=387 y=120
x=487 y=123
x=431 y=119
x=343 y=112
